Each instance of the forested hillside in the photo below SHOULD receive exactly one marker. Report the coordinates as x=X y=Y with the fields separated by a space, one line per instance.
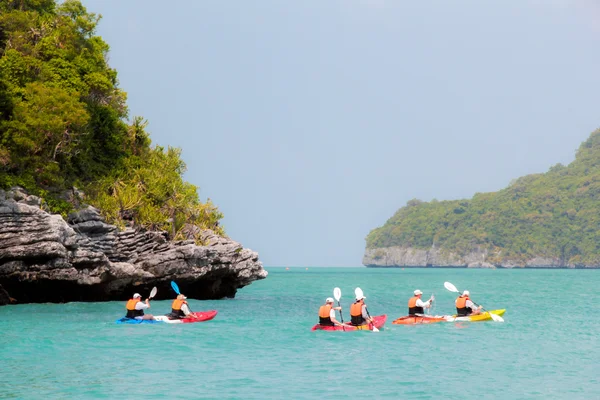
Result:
x=555 y=215
x=64 y=123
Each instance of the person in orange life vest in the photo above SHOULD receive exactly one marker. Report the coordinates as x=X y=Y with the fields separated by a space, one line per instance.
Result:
x=180 y=308
x=464 y=305
x=327 y=314
x=135 y=308
x=416 y=305
x=358 y=312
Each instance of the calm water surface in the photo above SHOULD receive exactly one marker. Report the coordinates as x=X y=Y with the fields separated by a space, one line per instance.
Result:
x=260 y=344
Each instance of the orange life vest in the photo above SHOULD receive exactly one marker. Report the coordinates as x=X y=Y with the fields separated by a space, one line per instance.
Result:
x=131 y=311
x=324 y=315
x=412 y=306
x=177 y=304
x=176 y=311
x=461 y=306
x=356 y=314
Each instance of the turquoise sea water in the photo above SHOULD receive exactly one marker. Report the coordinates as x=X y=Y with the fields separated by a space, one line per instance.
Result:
x=260 y=345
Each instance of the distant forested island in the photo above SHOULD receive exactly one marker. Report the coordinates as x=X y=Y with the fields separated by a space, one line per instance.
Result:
x=541 y=220
x=65 y=130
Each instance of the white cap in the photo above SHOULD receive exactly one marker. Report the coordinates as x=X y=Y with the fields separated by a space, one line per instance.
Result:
x=418 y=292
x=466 y=293
x=360 y=298
x=329 y=300
x=137 y=295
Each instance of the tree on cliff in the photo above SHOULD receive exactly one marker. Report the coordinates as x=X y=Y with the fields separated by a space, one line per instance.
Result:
x=63 y=123
x=554 y=215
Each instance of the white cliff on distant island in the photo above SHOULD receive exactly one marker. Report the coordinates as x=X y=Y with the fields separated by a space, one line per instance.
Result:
x=397 y=256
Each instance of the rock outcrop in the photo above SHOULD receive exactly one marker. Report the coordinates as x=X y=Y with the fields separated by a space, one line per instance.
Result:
x=397 y=256
x=44 y=258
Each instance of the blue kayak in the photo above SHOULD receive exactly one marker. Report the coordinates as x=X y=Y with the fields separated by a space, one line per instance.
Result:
x=137 y=321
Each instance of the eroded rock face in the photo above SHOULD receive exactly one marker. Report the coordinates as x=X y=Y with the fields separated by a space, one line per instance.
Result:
x=44 y=258
x=396 y=256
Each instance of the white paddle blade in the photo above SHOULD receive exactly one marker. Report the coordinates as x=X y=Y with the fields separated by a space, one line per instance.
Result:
x=450 y=287
x=337 y=294
x=358 y=293
x=375 y=329
x=497 y=318
x=153 y=292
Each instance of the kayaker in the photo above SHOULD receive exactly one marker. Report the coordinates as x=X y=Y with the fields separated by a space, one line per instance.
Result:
x=416 y=306
x=358 y=312
x=180 y=308
x=135 y=308
x=327 y=314
x=464 y=305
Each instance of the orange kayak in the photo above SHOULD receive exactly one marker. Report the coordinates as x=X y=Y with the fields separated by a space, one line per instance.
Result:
x=416 y=320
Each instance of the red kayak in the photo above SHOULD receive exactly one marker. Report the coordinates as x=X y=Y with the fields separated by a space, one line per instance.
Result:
x=199 y=316
x=379 y=322
x=416 y=320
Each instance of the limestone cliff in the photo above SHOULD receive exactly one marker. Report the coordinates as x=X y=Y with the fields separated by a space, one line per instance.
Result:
x=397 y=256
x=44 y=258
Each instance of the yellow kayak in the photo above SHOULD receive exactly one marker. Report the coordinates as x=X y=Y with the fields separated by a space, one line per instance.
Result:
x=485 y=316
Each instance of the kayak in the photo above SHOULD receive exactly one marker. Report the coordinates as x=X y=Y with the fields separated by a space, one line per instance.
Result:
x=379 y=322
x=200 y=316
x=432 y=319
x=419 y=319
x=485 y=316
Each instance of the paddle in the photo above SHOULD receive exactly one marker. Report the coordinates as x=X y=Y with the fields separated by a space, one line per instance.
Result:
x=453 y=288
x=337 y=295
x=175 y=287
x=359 y=293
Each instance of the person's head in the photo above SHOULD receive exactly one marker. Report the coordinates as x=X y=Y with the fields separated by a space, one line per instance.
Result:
x=418 y=293
x=181 y=297
x=361 y=299
x=137 y=296
x=329 y=300
x=466 y=293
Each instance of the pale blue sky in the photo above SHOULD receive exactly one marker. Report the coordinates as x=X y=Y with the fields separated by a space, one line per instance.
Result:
x=311 y=122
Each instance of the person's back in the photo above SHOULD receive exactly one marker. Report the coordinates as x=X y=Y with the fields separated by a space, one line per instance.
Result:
x=356 y=313
x=464 y=305
x=325 y=315
x=461 y=306
x=131 y=311
x=413 y=309
x=179 y=308
x=416 y=305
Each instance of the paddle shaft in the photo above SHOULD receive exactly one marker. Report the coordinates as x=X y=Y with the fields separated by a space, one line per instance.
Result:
x=371 y=323
x=341 y=317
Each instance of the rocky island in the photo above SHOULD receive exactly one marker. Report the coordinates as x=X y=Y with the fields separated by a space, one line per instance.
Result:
x=549 y=220
x=90 y=210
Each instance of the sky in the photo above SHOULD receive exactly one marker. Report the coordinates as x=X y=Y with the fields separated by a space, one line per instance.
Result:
x=309 y=123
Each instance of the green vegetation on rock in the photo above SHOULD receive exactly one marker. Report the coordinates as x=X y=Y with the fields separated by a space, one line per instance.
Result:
x=64 y=124
x=554 y=215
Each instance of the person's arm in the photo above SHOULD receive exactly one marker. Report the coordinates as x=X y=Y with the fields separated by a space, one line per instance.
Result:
x=471 y=305
x=185 y=309
x=332 y=316
x=424 y=304
x=365 y=314
x=142 y=306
